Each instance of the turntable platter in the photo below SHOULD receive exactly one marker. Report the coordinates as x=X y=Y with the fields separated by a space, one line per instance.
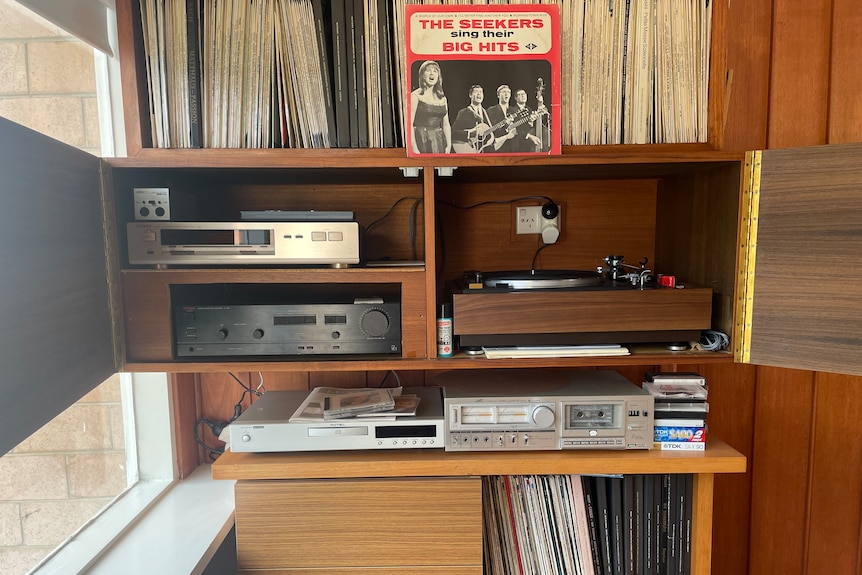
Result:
x=541 y=279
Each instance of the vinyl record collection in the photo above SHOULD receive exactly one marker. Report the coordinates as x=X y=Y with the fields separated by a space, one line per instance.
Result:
x=331 y=73
x=588 y=525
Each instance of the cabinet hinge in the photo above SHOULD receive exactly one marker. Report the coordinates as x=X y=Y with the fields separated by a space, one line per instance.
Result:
x=747 y=253
x=445 y=171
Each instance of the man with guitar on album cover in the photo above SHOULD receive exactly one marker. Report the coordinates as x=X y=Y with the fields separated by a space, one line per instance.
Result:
x=500 y=116
x=471 y=133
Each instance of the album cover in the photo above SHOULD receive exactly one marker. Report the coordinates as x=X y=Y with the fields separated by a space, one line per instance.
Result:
x=482 y=80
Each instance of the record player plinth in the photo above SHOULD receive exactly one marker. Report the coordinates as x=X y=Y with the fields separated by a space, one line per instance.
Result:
x=592 y=315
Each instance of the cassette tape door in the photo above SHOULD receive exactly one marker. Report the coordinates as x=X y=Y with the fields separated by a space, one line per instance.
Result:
x=799 y=286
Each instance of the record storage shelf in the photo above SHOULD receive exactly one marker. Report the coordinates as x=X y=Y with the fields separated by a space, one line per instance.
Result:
x=393 y=476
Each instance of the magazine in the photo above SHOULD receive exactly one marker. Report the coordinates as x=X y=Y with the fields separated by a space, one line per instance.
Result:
x=326 y=403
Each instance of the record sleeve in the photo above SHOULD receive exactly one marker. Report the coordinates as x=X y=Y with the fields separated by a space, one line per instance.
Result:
x=482 y=80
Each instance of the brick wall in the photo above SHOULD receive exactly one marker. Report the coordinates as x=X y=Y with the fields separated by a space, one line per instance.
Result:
x=60 y=477
x=47 y=78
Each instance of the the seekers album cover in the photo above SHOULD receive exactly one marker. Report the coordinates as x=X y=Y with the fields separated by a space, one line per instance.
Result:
x=482 y=80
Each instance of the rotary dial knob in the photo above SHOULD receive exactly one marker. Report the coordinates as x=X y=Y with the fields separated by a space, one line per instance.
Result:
x=543 y=416
x=375 y=323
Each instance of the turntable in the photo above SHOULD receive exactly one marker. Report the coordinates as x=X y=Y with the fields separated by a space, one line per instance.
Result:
x=616 y=304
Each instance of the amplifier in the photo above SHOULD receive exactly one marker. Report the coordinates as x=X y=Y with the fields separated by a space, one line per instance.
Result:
x=512 y=409
x=367 y=326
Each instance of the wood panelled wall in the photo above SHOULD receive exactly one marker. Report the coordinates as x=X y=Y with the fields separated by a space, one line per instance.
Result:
x=793 y=80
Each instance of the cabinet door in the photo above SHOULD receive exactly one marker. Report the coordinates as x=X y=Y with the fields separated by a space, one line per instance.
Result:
x=799 y=279
x=55 y=338
x=406 y=525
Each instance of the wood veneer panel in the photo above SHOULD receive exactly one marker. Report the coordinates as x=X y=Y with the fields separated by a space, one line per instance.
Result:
x=717 y=458
x=701 y=528
x=746 y=76
x=359 y=523
x=780 y=471
x=184 y=406
x=583 y=311
x=836 y=469
x=845 y=105
x=799 y=87
x=696 y=235
x=731 y=417
x=597 y=219
x=806 y=292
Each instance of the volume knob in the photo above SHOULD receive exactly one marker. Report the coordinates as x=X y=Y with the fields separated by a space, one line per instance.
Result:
x=375 y=323
x=543 y=416
x=221 y=333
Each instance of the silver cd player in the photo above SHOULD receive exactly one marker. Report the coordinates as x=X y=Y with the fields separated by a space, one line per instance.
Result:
x=256 y=243
x=266 y=427
x=523 y=409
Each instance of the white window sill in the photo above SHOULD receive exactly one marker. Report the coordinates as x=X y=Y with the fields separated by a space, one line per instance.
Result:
x=155 y=527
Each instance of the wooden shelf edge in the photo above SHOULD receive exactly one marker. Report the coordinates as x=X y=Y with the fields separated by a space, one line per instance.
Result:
x=717 y=458
x=397 y=157
x=408 y=364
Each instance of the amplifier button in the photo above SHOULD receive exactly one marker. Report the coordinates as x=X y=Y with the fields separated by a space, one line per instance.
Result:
x=222 y=333
x=257 y=334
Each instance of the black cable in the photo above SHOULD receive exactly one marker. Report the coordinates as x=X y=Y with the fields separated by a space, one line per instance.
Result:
x=536 y=255
x=212 y=452
x=369 y=227
x=490 y=202
x=216 y=427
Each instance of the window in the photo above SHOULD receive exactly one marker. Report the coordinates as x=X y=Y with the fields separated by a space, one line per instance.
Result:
x=105 y=457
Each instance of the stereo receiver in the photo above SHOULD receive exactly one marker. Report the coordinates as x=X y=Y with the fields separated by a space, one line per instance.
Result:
x=521 y=409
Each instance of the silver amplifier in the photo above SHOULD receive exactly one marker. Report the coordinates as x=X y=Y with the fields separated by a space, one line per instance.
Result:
x=522 y=409
x=225 y=243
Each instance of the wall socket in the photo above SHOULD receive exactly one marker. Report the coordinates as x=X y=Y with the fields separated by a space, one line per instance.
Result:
x=527 y=219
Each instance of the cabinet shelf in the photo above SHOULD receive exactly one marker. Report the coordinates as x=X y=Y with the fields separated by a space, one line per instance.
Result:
x=641 y=355
x=717 y=458
x=397 y=157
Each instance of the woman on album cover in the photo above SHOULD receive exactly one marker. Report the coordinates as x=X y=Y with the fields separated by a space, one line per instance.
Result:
x=429 y=113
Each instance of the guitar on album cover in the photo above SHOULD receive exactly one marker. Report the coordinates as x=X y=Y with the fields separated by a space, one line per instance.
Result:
x=482 y=135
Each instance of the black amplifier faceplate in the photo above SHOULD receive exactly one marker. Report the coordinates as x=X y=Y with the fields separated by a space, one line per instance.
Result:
x=287 y=329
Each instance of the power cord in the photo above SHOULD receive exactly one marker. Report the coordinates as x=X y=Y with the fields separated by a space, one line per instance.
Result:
x=411 y=221
x=549 y=210
x=217 y=427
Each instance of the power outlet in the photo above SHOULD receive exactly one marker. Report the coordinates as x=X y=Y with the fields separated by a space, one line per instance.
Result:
x=527 y=219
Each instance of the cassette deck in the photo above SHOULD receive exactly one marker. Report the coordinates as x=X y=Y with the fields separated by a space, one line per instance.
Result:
x=523 y=409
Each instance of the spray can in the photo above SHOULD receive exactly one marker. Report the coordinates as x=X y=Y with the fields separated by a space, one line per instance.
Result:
x=445 y=337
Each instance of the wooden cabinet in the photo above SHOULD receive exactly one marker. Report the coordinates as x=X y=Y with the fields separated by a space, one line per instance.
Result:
x=414 y=525
x=345 y=511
